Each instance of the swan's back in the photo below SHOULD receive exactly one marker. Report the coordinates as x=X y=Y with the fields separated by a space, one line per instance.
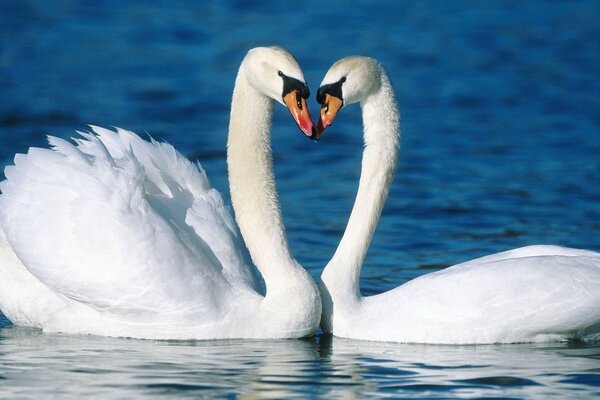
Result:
x=528 y=294
x=123 y=226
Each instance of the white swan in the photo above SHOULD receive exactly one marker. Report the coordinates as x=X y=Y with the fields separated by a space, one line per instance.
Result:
x=534 y=293
x=117 y=236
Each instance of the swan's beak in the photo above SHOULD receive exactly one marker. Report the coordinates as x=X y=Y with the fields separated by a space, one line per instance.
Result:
x=329 y=109
x=297 y=106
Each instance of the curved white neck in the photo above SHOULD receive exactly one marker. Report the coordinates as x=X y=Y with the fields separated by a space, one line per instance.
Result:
x=381 y=122
x=252 y=184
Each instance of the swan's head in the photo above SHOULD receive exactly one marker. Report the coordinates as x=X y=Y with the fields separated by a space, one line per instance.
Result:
x=275 y=72
x=350 y=80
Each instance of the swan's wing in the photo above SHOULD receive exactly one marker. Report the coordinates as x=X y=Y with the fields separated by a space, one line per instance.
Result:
x=94 y=226
x=529 y=251
x=171 y=179
x=552 y=291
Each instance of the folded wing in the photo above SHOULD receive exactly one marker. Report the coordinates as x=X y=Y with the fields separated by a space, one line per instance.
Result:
x=123 y=225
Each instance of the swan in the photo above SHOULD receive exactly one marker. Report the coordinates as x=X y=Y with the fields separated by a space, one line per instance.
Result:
x=117 y=236
x=535 y=293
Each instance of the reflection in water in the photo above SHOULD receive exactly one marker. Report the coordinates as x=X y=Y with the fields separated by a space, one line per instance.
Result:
x=484 y=370
x=32 y=363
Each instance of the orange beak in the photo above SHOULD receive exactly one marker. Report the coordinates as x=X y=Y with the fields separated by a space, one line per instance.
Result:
x=329 y=109
x=297 y=106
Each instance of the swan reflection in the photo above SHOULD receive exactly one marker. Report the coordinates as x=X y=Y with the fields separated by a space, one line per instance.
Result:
x=322 y=367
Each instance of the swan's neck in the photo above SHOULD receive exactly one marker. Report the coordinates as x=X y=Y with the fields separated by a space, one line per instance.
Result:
x=381 y=122
x=252 y=183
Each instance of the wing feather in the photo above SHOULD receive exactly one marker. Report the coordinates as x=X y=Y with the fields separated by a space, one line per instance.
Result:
x=117 y=222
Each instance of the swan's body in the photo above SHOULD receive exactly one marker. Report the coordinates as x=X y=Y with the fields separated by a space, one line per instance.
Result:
x=533 y=293
x=118 y=236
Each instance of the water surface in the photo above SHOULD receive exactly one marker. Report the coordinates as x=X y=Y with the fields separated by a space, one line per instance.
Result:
x=36 y=364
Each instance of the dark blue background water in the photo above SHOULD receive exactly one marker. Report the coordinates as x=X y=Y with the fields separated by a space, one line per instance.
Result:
x=500 y=107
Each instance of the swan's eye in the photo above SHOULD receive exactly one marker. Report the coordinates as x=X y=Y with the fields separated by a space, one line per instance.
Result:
x=333 y=89
x=291 y=84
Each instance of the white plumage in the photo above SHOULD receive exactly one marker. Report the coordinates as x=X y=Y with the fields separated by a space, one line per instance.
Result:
x=129 y=231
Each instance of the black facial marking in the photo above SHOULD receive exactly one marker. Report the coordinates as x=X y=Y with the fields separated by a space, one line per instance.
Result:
x=291 y=84
x=333 y=89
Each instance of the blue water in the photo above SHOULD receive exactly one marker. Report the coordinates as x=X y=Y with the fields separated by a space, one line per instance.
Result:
x=500 y=107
